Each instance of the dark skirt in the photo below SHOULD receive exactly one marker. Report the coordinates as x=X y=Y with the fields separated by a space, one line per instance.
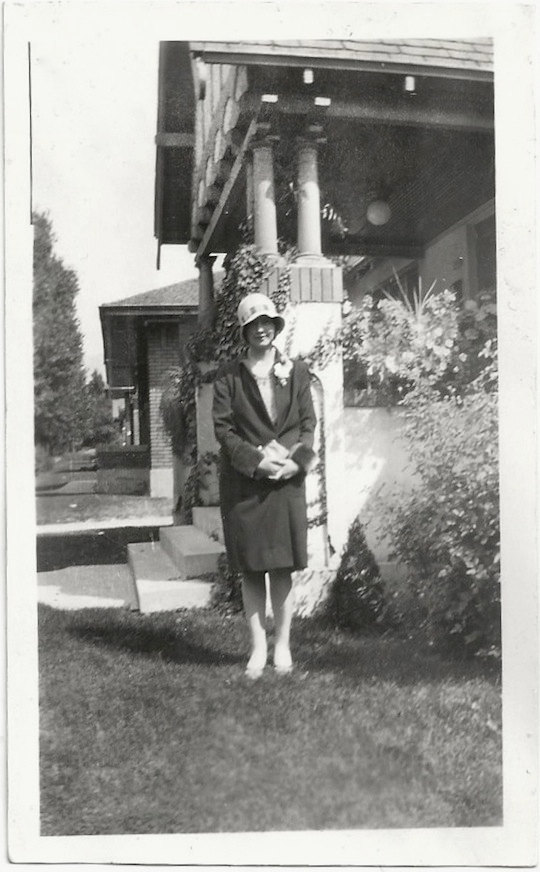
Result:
x=264 y=522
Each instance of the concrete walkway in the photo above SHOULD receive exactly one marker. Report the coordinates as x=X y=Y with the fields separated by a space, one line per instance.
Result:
x=104 y=524
x=87 y=587
x=104 y=586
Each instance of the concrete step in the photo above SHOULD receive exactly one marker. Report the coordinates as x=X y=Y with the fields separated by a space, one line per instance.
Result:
x=158 y=582
x=208 y=519
x=191 y=550
x=149 y=561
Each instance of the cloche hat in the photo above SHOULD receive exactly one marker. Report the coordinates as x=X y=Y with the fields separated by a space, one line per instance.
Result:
x=252 y=306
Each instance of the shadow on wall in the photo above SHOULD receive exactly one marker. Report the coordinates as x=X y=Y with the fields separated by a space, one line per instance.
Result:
x=376 y=462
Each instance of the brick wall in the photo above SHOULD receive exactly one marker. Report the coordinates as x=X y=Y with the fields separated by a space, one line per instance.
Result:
x=163 y=354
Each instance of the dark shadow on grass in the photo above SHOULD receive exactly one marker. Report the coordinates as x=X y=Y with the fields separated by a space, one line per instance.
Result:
x=176 y=645
x=385 y=656
x=205 y=638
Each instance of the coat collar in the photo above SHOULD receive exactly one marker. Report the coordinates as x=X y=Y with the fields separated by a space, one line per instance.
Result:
x=283 y=394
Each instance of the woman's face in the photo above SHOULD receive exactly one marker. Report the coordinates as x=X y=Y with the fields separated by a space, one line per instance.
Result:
x=260 y=333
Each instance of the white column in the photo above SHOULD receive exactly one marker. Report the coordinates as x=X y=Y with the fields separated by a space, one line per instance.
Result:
x=309 y=201
x=265 y=222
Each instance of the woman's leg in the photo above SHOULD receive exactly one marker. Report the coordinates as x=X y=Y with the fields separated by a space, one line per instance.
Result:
x=282 y=606
x=254 y=598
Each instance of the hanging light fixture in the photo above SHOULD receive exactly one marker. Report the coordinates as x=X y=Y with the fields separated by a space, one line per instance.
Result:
x=409 y=85
x=378 y=213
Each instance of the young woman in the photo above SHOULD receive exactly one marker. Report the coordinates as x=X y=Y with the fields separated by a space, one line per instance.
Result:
x=264 y=421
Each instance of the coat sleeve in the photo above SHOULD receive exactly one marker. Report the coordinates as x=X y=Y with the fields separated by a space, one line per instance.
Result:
x=303 y=453
x=243 y=456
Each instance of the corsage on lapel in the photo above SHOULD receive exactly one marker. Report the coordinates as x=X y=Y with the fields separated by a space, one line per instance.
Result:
x=282 y=367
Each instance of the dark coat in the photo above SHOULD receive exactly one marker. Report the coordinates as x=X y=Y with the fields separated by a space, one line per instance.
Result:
x=264 y=522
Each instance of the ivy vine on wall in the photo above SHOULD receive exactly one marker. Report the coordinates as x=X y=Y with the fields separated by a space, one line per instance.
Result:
x=245 y=272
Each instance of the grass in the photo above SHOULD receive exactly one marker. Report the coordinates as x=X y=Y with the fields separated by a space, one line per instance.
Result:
x=148 y=725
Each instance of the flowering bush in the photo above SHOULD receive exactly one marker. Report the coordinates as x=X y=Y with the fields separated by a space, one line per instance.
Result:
x=477 y=329
x=399 y=342
x=447 y=530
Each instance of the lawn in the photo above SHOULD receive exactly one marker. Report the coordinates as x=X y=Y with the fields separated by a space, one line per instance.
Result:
x=148 y=725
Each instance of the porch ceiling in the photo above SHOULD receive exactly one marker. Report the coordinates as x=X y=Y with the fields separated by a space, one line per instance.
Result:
x=429 y=153
x=430 y=178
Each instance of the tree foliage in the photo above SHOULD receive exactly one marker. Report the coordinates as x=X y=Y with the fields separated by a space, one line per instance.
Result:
x=59 y=378
x=100 y=426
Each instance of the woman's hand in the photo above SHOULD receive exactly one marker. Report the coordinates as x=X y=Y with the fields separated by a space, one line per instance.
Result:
x=269 y=468
x=288 y=469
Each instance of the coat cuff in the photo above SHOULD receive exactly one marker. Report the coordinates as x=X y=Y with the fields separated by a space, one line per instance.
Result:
x=246 y=458
x=303 y=456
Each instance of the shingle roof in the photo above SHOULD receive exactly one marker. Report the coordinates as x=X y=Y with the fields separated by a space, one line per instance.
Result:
x=182 y=294
x=466 y=54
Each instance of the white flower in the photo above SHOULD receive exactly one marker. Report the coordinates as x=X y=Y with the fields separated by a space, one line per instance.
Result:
x=283 y=368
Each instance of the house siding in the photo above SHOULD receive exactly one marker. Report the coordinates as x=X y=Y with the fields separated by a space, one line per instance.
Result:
x=448 y=259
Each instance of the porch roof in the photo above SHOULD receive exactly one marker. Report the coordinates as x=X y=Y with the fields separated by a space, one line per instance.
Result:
x=122 y=324
x=474 y=55
x=429 y=153
x=176 y=298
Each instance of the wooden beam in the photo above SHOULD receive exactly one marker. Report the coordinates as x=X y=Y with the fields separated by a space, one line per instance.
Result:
x=400 y=111
x=227 y=188
x=370 y=248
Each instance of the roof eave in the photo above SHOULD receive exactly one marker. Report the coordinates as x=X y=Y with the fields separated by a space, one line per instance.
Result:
x=110 y=310
x=220 y=56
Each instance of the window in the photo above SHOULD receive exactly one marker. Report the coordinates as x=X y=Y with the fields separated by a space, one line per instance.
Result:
x=408 y=279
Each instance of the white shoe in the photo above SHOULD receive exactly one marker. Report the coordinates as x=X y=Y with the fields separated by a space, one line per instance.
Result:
x=255 y=665
x=283 y=662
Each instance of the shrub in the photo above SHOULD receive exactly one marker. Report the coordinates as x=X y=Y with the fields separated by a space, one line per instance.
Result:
x=477 y=328
x=390 y=344
x=178 y=411
x=357 y=599
x=447 y=530
x=226 y=588
x=43 y=461
x=100 y=427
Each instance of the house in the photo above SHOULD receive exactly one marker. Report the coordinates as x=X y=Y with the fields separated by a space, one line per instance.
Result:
x=144 y=336
x=378 y=151
x=381 y=152
x=403 y=132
